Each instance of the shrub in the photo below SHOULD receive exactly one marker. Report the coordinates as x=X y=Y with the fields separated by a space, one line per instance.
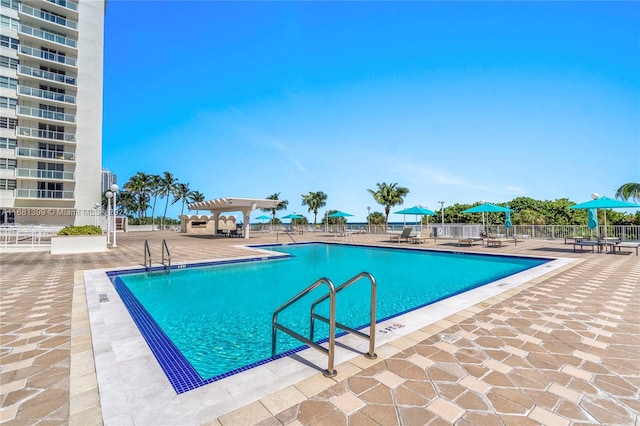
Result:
x=81 y=230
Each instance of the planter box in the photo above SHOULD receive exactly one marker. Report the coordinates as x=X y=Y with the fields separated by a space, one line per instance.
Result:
x=69 y=244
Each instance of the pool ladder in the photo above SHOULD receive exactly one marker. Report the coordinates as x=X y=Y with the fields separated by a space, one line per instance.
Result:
x=331 y=295
x=147 y=256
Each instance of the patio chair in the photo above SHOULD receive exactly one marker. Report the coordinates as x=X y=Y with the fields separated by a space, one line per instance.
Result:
x=405 y=235
x=424 y=236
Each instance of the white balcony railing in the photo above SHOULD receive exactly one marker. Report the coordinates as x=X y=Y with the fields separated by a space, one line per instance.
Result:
x=42 y=193
x=46 y=16
x=40 y=54
x=44 y=153
x=45 y=94
x=65 y=3
x=46 y=114
x=30 y=132
x=46 y=75
x=46 y=35
x=43 y=174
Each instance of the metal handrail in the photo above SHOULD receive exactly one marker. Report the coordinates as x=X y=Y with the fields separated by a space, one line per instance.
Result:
x=372 y=319
x=147 y=255
x=289 y=234
x=165 y=248
x=330 y=371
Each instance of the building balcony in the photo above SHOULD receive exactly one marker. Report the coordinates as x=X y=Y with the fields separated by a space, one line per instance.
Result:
x=47 y=17
x=44 y=153
x=65 y=4
x=42 y=194
x=47 y=56
x=46 y=115
x=31 y=133
x=43 y=174
x=26 y=71
x=55 y=97
x=47 y=36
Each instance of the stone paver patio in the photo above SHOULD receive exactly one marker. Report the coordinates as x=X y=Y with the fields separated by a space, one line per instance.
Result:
x=562 y=349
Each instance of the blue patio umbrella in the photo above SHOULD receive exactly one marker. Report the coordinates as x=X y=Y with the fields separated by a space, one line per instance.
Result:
x=487 y=208
x=263 y=217
x=416 y=210
x=293 y=216
x=605 y=203
x=491 y=208
x=507 y=220
x=593 y=219
x=340 y=214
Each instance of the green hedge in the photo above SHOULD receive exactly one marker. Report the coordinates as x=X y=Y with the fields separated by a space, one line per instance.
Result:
x=81 y=230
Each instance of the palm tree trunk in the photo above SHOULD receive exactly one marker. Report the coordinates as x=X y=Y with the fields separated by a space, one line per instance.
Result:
x=153 y=212
x=165 y=213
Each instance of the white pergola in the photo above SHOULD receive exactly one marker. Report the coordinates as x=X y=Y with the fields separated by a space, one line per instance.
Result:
x=234 y=204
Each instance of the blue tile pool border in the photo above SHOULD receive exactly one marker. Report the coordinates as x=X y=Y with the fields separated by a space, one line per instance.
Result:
x=180 y=373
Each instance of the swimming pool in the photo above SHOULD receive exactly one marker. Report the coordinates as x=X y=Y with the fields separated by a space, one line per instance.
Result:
x=206 y=323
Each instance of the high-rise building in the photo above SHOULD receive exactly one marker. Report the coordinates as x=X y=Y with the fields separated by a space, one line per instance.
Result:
x=51 y=69
x=108 y=179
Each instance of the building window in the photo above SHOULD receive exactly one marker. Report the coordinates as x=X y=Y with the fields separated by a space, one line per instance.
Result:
x=13 y=4
x=10 y=42
x=7 y=143
x=8 y=123
x=8 y=103
x=8 y=22
x=44 y=107
x=52 y=54
x=49 y=190
x=8 y=164
x=7 y=62
x=8 y=82
x=50 y=166
x=7 y=184
x=52 y=89
x=52 y=70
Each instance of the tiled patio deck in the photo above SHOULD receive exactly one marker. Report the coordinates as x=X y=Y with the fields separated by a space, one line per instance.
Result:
x=562 y=349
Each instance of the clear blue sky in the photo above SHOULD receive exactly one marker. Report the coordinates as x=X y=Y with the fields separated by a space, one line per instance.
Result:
x=456 y=101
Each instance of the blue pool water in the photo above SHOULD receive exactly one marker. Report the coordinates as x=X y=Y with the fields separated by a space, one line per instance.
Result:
x=217 y=319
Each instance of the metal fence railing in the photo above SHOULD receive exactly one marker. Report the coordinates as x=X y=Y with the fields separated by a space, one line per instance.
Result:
x=456 y=230
x=27 y=235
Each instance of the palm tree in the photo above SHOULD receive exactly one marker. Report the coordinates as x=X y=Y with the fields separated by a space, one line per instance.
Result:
x=154 y=189
x=629 y=190
x=195 y=197
x=127 y=203
x=389 y=195
x=181 y=193
x=138 y=186
x=282 y=205
x=166 y=188
x=315 y=201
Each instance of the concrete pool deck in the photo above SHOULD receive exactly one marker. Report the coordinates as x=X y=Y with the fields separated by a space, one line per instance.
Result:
x=561 y=348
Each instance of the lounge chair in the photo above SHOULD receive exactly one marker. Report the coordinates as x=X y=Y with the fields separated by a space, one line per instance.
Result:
x=470 y=241
x=627 y=244
x=424 y=236
x=587 y=243
x=405 y=235
x=498 y=242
